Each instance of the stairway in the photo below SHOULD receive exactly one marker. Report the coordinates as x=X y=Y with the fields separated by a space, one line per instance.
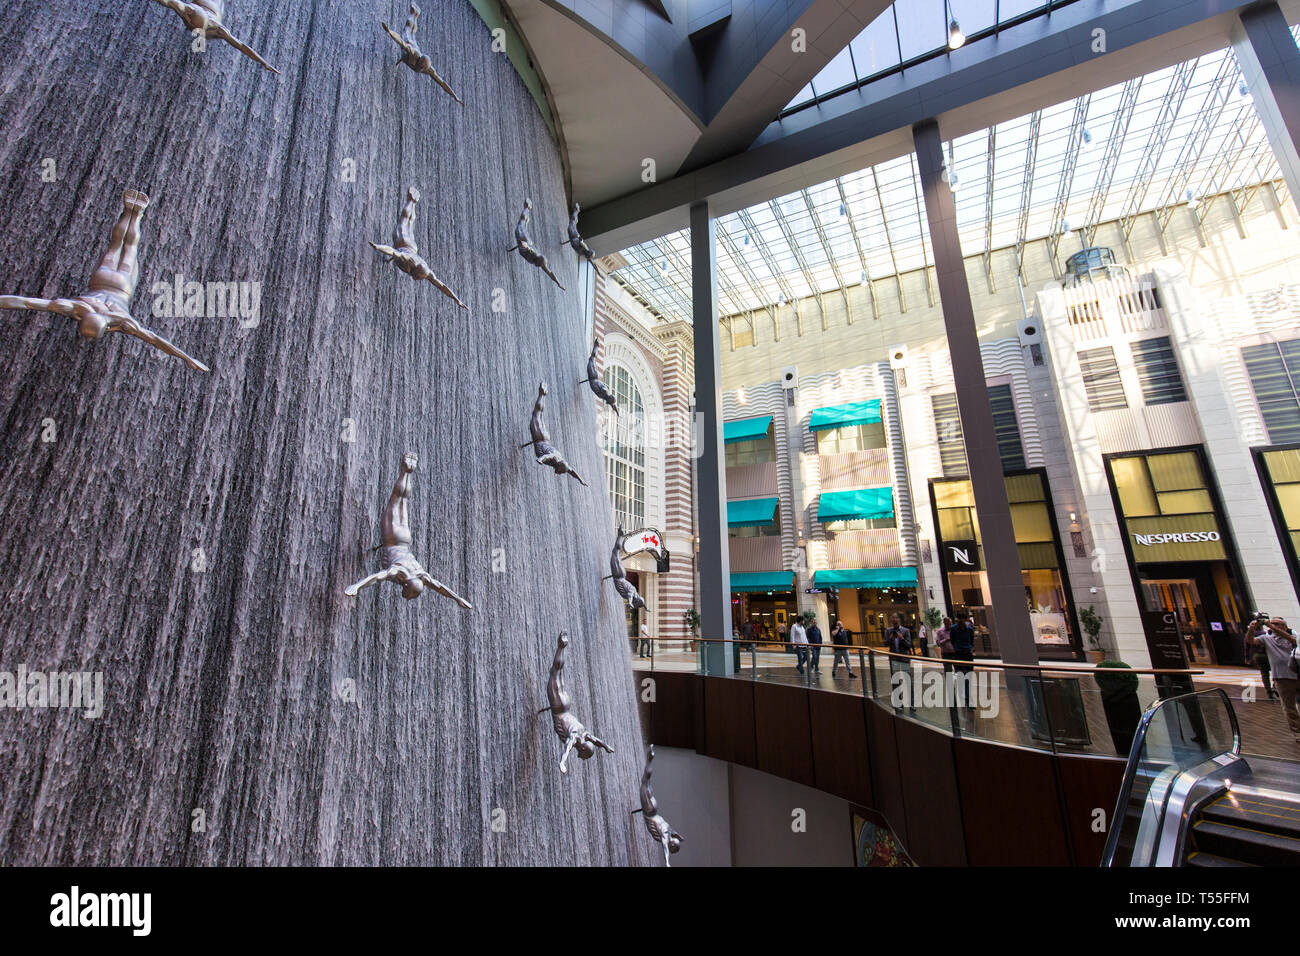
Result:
x=1247 y=826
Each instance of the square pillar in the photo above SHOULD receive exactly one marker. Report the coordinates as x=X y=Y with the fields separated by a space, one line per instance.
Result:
x=1001 y=558
x=1270 y=65
x=711 y=488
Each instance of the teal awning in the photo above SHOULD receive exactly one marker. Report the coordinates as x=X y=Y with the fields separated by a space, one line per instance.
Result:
x=751 y=513
x=842 y=416
x=762 y=581
x=745 y=429
x=854 y=505
x=866 y=578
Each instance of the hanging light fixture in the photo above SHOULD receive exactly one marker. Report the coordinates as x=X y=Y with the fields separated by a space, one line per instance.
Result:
x=1192 y=201
x=955 y=37
x=842 y=210
x=1066 y=231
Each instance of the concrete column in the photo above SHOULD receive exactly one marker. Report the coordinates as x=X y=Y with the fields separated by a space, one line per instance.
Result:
x=1270 y=65
x=711 y=489
x=1006 y=583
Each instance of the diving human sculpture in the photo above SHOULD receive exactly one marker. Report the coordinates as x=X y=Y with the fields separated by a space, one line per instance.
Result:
x=524 y=243
x=659 y=828
x=405 y=254
x=547 y=454
x=625 y=588
x=413 y=56
x=593 y=379
x=569 y=729
x=206 y=15
x=575 y=238
x=400 y=564
x=106 y=307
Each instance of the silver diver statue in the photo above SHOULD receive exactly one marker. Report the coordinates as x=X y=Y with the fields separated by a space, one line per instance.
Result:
x=107 y=306
x=659 y=828
x=413 y=56
x=524 y=243
x=400 y=564
x=567 y=727
x=625 y=588
x=594 y=380
x=575 y=238
x=405 y=254
x=547 y=454
x=206 y=15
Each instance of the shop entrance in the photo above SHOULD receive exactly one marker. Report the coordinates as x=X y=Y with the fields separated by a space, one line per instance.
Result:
x=1202 y=597
x=768 y=612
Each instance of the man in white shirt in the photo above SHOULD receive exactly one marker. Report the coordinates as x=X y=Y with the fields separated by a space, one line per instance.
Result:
x=799 y=638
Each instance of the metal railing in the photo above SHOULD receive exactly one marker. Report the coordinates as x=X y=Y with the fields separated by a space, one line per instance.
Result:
x=1050 y=707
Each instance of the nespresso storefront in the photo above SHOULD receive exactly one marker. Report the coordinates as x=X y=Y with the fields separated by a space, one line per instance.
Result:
x=1042 y=563
x=1179 y=551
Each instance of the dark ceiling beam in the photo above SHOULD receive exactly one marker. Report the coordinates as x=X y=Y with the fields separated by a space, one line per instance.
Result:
x=1032 y=65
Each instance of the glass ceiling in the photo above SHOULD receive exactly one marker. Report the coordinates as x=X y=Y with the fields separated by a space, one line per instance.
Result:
x=1153 y=143
x=899 y=38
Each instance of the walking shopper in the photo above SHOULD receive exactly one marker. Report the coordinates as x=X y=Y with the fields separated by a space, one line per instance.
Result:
x=962 y=637
x=815 y=646
x=799 y=638
x=898 y=639
x=841 y=637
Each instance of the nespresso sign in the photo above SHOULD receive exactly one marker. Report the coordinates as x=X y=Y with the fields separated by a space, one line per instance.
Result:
x=1159 y=539
x=1175 y=537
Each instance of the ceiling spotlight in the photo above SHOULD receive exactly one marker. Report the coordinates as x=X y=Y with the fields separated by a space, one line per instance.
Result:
x=663 y=265
x=864 y=277
x=1087 y=138
x=746 y=238
x=1244 y=91
x=955 y=37
x=1066 y=230
x=843 y=211
x=780 y=298
x=1192 y=201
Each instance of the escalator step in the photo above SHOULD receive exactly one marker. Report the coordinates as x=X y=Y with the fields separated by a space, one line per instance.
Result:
x=1256 y=812
x=1197 y=858
x=1245 y=844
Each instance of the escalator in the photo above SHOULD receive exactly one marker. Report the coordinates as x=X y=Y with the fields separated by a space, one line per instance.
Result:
x=1190 y=798
x=1249 y=824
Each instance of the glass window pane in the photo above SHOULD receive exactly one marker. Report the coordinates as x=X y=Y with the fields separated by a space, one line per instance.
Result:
x=1136 y=496
x=1185 y=502
x=1176 y=472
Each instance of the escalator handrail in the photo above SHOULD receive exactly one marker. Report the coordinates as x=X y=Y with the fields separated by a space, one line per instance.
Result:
x=1134 y=756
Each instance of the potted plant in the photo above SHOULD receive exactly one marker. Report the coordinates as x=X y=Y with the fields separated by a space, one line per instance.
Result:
x=933 y=618
x=1092 y=622
x=692 y=619
x=1119 y=699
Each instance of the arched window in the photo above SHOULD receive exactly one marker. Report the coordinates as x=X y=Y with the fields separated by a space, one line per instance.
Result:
x=625 y=449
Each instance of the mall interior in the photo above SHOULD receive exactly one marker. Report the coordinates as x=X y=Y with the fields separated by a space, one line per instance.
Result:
x=955 y=335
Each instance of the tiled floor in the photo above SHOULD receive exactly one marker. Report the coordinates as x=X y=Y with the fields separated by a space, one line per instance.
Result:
x=1262 y=723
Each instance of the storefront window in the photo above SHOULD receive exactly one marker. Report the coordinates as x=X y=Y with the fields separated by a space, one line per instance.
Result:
x=625 y=449
x=1280 y=469
x=1178 y=552
x=751 y=452
x=838 y=441
x=961 y=557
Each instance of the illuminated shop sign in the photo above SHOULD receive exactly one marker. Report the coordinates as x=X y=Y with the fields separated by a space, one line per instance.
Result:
x=1176 y=537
